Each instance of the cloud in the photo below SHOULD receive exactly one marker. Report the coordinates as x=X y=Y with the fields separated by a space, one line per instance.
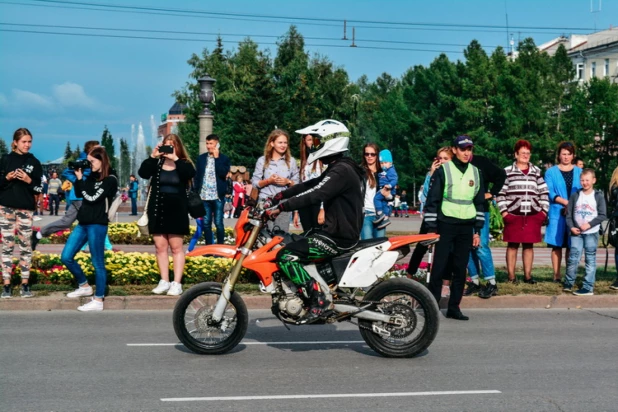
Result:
x=3 y=100
x=31 y=99
x=73 y=95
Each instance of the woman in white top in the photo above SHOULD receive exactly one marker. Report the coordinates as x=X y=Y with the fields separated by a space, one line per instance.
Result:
x=372 y=167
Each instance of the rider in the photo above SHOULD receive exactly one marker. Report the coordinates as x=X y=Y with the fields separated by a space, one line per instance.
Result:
x=340 y=189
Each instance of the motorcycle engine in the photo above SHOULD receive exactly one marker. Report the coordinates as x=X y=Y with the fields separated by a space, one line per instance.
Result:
x=292 y=306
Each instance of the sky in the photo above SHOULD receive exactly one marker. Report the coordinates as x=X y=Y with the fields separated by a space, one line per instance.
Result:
x=68 y=87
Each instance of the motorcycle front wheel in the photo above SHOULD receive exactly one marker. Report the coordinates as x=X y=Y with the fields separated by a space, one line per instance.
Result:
x=416 y=311
x=195 y=327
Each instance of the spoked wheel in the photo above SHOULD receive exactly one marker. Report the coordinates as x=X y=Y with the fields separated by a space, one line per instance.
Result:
x=414 y=311
x=197 y=330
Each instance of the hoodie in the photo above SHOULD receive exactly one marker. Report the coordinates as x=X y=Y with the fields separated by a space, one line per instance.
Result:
x=15 y=193
x=340 y=188
x=69 y=174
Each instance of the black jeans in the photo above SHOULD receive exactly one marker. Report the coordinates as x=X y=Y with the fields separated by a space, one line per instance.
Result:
x=54 y=204
x=309 y=218
x=456 y=240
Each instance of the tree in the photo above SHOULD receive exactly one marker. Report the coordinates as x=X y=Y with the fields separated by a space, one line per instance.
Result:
x=125 y=162
x=3 y=147
x=68 y=153
x=107 y=141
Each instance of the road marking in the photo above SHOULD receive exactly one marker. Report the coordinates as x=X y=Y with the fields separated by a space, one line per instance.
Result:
x=324 y=342
x=334 y=395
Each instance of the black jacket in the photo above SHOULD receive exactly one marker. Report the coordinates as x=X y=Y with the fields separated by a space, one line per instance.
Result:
x=93 y=210
x=491 y=174
x=222 y=168
x=433 y=206
x=613 y=202
x=17 y=194
x=340 y=187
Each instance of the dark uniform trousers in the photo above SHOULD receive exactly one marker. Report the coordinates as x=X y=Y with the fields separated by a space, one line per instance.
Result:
x=456 y=240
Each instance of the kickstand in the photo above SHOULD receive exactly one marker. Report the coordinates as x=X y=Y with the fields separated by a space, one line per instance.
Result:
x=284 y=324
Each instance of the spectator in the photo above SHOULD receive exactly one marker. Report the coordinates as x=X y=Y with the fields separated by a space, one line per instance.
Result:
x=53 y=188
x=480 y=257
x=20 y=182
x=73 y=198
x=39 y=199
x=312 y=217
x=98 y=189
x=168 y=215
x=585 y=213
x=455 y=210
x=133 y=190
x=562 y=181
x=523 y=203
x=239 y=196
x=210 y=182
x=387 y=179
x=404 y=203
x=371 y=167
x=613 y=202
x=444 y=155
x=579 y=162
x=275 y=172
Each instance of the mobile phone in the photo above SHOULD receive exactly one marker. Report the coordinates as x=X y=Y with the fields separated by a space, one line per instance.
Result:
x=166 y=149
x=218 y=146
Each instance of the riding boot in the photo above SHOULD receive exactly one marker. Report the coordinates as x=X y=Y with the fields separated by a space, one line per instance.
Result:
x=316 y=301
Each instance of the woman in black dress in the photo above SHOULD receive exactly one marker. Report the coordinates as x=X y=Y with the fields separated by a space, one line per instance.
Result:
x=168 y=217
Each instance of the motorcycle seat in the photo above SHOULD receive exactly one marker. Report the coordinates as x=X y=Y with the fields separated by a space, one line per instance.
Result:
x=362 y=244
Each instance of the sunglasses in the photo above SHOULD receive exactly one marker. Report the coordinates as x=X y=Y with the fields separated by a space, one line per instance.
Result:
x=370 y=154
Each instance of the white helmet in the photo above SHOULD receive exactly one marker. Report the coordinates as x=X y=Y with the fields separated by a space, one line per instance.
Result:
x=328 y=139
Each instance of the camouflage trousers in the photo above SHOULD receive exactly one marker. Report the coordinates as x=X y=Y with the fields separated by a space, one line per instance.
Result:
x=20 y=221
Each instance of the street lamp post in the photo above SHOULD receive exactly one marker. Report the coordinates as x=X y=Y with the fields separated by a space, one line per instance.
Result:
x=207 y=96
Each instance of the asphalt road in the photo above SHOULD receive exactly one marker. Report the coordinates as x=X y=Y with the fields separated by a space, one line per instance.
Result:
x=520 y=360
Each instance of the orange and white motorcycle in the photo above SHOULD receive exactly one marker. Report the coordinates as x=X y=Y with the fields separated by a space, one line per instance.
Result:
x=397 y=317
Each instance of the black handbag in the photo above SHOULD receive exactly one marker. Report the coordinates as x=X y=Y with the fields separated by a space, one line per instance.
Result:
x=195 y=205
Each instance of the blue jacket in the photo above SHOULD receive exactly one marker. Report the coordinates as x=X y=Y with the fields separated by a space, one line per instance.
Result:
x=557 y=228
x=388 y=177
x=133 y=186
x=222 y=168
x=70 y=176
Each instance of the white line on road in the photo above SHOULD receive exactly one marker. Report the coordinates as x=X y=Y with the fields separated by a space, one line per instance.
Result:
x=334 y=395
x=324 y=342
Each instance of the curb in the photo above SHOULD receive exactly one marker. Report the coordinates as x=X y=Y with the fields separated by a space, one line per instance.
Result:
x=49 y=303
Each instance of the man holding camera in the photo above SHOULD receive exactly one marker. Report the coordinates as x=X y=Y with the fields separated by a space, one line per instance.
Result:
x=75 y=202
x=210 y=182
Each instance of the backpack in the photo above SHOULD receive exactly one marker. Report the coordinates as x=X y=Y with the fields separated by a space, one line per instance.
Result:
x=112 y=207
x=612 y=231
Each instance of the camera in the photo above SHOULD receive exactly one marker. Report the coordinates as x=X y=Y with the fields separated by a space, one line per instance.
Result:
x=79 y=164
x=166 y=149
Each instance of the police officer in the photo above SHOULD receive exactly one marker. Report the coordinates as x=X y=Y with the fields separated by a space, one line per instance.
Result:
x=455 y=210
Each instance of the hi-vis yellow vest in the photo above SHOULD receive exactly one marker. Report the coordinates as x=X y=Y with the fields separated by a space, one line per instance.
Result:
x=459 y=191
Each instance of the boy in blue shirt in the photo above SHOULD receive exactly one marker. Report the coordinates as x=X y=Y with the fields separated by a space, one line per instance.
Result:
x=387 y=178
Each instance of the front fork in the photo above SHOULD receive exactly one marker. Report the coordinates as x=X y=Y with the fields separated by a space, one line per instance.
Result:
x=230 y=282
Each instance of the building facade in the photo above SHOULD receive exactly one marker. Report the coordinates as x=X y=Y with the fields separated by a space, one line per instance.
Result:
x=170 y=120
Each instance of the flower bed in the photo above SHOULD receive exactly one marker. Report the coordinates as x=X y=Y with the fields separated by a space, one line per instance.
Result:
x=124 y=269
x=127 y=234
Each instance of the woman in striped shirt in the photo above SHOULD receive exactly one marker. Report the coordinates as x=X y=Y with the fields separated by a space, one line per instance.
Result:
x=523 y=203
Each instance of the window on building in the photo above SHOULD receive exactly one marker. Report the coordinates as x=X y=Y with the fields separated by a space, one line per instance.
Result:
x=606 y=68
x=580 y=71
x=593 y=69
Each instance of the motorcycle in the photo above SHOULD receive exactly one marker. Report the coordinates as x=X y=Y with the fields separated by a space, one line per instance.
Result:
x=397 y=317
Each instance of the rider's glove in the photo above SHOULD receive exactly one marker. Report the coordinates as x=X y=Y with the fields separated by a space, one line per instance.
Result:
x=273 y=212
x=277 y=198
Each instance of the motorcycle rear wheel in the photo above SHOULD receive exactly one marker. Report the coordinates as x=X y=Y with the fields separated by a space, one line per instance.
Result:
x=194 y=326
x=404 y=298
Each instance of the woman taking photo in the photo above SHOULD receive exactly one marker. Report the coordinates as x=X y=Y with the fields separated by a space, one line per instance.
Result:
x=372 y=167
x=20 y=182
x=523 y=203
x=312 y=217
x=170 y=171
x=98 y=190
x=562 y=181
x=276 y=171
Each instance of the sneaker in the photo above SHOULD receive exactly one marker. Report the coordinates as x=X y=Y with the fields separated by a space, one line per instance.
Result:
x=567 y=288
x=558 y=281
x=531 y=281
x=175 y=289
x=384 y=223
x=614 y=285
x=6 y=292
x=92 y=306
x=513 y=281
x=24 y=292
x=583 y=292
x=446 y=291
x=163 y=287
x=488 y=291
x=34 y=241
x=37 y=218
x=80 y=291
x=472 y=289
x=379 y=218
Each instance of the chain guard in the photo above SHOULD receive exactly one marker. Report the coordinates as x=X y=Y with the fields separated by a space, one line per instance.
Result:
x=395 y=309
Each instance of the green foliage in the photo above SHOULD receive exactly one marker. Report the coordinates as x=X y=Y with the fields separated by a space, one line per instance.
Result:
x=3 y=147
x=107 y=141
x=125 y=162
x=496 y=224
x=68 y=153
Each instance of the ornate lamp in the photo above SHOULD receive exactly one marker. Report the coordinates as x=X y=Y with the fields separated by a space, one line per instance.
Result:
x=207 y=95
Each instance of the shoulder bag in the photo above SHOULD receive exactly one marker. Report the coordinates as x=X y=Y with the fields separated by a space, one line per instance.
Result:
x=142 y=222
x=195 y=205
